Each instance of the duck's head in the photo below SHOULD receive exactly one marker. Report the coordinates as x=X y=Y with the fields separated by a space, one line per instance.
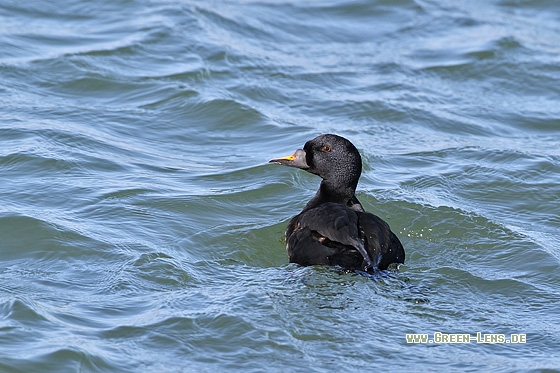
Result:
x=335 y=159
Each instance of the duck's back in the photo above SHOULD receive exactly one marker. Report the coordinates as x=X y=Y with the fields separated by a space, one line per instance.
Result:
x=332 y=234
x=380 y=241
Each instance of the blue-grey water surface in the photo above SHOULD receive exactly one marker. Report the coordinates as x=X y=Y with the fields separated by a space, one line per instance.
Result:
x=141 y=228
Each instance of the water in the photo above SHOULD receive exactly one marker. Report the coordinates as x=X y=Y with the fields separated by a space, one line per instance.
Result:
x=141 y=229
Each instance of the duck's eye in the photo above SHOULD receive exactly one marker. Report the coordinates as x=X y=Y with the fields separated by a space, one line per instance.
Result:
x=326 y=148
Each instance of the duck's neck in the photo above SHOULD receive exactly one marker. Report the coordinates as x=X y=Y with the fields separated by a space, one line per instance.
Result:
x=329 y=193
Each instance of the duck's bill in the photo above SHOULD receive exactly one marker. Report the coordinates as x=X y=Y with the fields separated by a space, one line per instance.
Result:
x=295 y=160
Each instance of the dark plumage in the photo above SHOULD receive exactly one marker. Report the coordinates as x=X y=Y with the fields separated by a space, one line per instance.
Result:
x=333 y=229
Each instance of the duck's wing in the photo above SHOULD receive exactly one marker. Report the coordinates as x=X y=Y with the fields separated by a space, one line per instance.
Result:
x=380 y=242
x=325 y=234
